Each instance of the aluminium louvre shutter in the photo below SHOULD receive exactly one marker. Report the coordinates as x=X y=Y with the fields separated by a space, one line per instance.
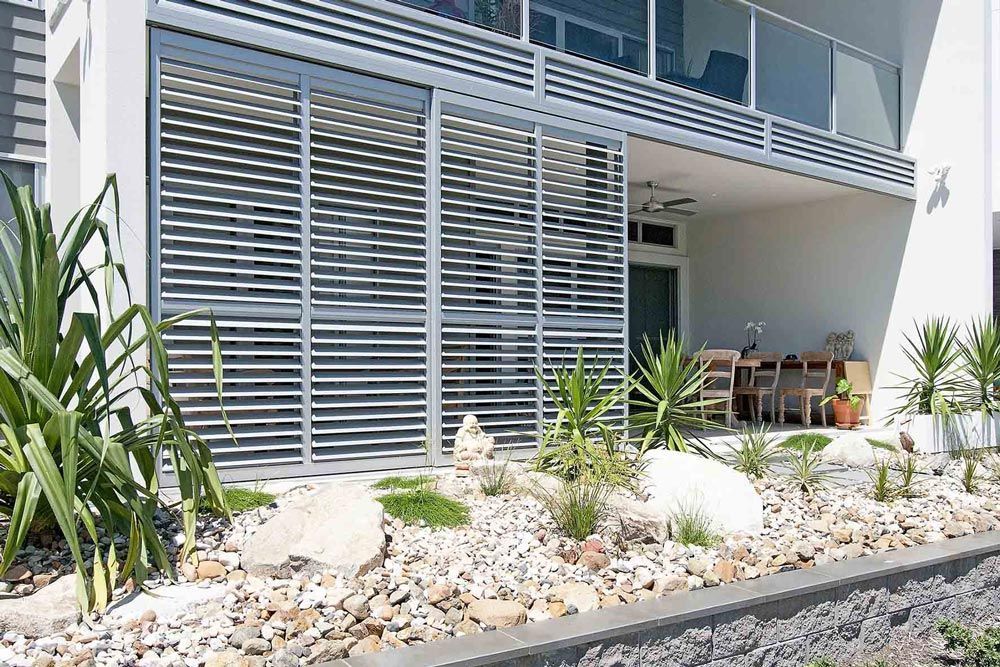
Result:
x=292 y=202
x=489 y=276
x=230 y=229
x=369 y=274
x=583 y=254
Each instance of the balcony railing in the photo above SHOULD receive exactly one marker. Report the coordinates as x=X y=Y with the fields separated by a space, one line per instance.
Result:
x=730 y=49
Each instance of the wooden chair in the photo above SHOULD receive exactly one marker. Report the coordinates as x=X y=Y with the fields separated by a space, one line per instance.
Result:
x=763 y=382
x=816 y=369
x=720 y=376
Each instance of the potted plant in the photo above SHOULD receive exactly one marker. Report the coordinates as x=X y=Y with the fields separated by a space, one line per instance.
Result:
x=846 y=406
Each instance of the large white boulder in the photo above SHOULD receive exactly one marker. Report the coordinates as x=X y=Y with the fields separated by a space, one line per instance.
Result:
x=338 y=529
x=680 y=481
x=47 y=612
x=853 y=450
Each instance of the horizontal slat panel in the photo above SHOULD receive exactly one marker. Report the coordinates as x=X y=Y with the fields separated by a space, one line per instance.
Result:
x=368 y=254
x=229 y=187
x=262 y=388
x=832 y=151
x=379 y=30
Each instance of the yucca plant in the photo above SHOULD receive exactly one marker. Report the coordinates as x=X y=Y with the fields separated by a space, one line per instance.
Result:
x=757 y=453
x=884 y=490
x=667 y=408
x=980 y=356
x=72 y=455
x=804 y=471
x=933 y=355
x=586 y=439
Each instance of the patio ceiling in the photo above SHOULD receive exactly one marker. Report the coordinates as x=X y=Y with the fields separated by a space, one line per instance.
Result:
x=722 y=186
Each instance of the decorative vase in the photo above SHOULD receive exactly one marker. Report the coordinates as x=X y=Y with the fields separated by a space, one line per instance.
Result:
x=747 y=351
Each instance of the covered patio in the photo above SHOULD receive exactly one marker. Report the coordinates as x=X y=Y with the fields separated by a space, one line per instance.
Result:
x=717 y=246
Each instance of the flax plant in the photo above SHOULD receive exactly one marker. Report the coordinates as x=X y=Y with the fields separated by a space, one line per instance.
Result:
x=72 y=454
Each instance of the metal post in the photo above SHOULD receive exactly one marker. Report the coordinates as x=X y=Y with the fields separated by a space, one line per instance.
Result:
x=433 y=254
x=651 y=37
x=752 y=50
x=305 y=323
x=539 y=277
x=525 y=22
x=833 y=86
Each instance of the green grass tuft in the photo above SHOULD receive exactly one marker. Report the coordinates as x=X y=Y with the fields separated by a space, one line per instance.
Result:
x=242 y=500
x=802 y=441
x=396 y=482
x=691 y=526
x=434 y=509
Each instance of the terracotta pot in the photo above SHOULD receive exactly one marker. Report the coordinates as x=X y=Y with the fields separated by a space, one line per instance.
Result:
x=844 y=415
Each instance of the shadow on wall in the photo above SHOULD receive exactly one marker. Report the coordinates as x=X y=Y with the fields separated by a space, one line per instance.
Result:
x=806 y=270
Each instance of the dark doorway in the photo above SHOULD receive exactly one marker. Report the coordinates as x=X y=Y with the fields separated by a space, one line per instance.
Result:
x=652 y=304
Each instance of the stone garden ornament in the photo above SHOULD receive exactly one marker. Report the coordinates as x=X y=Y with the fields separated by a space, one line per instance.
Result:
x=472 y=445
x=841 y=344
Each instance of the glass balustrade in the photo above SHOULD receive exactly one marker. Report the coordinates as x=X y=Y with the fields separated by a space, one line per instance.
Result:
x=705 y=45
x=612 y=31
x=867 y=102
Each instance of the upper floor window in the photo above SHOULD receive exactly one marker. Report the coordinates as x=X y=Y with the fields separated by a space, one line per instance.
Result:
x=705 y=45
x=612 y=31
x=500 y=15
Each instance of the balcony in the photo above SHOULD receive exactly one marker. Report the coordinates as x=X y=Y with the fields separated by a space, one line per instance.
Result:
x=728 y=49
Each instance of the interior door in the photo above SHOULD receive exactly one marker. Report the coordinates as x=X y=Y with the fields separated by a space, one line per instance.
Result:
x=652 y=304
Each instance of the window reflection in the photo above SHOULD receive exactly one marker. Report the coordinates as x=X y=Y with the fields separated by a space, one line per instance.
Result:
x=705 y=45
x=612 y=31
x=500 y=15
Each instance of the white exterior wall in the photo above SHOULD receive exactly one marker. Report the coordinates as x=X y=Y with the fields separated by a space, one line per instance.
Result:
x=96 y=120
x=867 y=262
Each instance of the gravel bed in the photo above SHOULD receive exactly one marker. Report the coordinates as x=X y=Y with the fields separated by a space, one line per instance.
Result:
x=510 y=561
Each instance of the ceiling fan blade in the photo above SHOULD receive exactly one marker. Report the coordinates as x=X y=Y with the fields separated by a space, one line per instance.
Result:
x=678 y=202
x=680 y=211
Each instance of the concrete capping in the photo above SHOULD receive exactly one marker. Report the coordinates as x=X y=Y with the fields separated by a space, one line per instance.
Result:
x=536 y=639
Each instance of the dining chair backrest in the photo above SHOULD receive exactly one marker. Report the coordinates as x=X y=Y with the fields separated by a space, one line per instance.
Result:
x=766 y=376
x=721 y=366
x=816 y=369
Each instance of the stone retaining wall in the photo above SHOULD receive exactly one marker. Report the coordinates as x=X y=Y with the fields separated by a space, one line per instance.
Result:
x=838 y=610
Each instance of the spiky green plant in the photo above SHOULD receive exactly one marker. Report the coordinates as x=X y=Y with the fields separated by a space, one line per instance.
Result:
x=908 y=476
x=72 y=454
x=980 y=356
x=804 y=471
x=884 y=489
x=971 y=458
x=758 y=451
x=585 y=440
x=667 y=408
x=935 y=386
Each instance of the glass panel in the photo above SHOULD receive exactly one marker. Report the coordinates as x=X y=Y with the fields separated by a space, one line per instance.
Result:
x=658 y=234
x=793 y=74
x=867 y=100
x=500 y=15
x=612 y=31
x=22 y=173
x=704 y=44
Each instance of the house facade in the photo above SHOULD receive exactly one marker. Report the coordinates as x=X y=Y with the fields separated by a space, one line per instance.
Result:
x=22 y=93
x=397 y=211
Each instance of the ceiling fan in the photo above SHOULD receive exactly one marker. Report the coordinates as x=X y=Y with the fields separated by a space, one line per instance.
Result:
x=654 y=205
